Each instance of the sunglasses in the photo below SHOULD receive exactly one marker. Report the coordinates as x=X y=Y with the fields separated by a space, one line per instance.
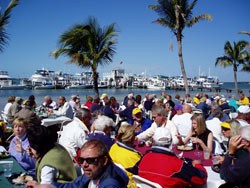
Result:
x=225 y=129
x=89 y=160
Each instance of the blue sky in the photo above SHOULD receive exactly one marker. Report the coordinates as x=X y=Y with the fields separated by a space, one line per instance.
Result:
x=35 y=26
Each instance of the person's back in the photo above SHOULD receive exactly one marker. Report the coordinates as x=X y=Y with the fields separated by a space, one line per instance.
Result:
x=167 y=169
x=73 y=136
x=27 y=114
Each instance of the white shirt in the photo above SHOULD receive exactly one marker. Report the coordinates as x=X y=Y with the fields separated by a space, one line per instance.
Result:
x=6 y=108
x=65 y=110
x=48 y=175
x=73 y=105
x=151 y=130
x=183 y=123
x=73 y=136
x=214 y=126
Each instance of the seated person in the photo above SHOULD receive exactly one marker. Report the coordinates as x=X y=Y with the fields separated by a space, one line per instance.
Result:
x=183 y=122
x=49 y=103
x=127 y=112
x=139 y=123
x=160 y=120
x=201 y=137
x=14 y=108
x=64 y=108
x=243 y=100
x=101 y=130
x=235 y=167
x=19 y=146
x=163 y=166
x=75 y=133
x=123 y=152
x=53 y=161
x=27 y=114
x=99 y=170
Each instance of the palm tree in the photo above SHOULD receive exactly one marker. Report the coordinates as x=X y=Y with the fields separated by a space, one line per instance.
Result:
x=177 y=15
x=88 y=45
x=4 y=21
x=235 y=56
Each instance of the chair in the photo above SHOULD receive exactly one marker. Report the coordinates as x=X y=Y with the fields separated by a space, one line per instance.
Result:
x=65 y=122
x=227 y=111
x=144 y=183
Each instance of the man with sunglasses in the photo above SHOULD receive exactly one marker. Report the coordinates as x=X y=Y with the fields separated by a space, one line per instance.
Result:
x=235 y=167
x=99 y=170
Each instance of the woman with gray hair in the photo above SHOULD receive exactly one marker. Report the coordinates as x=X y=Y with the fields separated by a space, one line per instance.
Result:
x=101 y=130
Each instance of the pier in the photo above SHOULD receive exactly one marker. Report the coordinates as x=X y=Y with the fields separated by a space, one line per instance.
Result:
x=203 y=89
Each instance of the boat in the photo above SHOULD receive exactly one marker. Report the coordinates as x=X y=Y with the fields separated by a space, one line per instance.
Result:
x=103 y=85
x=48 y=85
x=8 y=83
x=80 y=86
x=208 y=82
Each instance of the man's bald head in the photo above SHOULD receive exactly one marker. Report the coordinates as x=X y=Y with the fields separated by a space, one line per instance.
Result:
x=187 y=108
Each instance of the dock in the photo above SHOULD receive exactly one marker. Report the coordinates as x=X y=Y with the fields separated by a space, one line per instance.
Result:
x=203 y=89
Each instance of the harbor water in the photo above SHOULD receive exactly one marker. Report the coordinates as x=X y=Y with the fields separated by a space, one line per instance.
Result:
x=119 y=94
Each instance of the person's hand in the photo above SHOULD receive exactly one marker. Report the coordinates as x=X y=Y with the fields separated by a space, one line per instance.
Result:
x=18 y=146
x=195 y=140
x=221 y=159
x=235 y=144
x=195 y=162
x=31 y=184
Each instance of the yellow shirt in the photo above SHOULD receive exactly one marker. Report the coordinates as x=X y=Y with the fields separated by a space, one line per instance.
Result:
x=244 y=101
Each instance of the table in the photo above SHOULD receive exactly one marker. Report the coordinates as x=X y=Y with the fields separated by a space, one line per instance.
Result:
x=54 y=120
x=17 y=169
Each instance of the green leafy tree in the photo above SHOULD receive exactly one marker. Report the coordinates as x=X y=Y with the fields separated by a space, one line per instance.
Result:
x=177 y=15
x=235 y=55
x=4 y=21
x=88 y=45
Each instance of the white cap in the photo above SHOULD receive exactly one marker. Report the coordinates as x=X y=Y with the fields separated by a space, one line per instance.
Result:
x=244 y=109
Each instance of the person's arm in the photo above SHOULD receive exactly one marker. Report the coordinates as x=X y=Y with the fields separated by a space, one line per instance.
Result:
x=232 y=169
x=148 y=133
x=81 y=181
x=48 y=175
x=209 y=145
x=193 y=173
x=186 y=139
x=173 y=131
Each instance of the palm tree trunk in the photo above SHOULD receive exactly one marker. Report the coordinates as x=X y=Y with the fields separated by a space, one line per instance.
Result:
x=183 y=71
x=95 y=80
x=235 y=80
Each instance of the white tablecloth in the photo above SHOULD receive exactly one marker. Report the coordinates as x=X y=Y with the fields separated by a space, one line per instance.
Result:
x=213 y=180
x=52 y=121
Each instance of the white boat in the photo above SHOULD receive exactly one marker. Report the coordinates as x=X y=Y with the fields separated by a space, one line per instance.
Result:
x=45 y=86
x=7 y=83
x=209 y=82
x=80 y=86
x=155 y=86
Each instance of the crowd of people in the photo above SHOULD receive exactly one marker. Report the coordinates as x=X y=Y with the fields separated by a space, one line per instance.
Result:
x=96 y=148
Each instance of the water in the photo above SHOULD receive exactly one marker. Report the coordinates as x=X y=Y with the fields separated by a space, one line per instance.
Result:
x=119 y=94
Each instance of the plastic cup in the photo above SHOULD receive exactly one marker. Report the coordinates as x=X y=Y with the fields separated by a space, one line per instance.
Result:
x=215 y=159
x=198 y=155
x=7 y=168
x=206 y=154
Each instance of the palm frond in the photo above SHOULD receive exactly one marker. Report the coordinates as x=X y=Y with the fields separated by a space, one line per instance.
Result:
x=224 y=61
x=4 y=21
x=199 y=18
x=244 y=32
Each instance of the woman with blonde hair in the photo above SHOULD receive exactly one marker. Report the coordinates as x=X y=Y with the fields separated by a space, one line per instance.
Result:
x=123 y=153
x=19 y=146
x=199 y=134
